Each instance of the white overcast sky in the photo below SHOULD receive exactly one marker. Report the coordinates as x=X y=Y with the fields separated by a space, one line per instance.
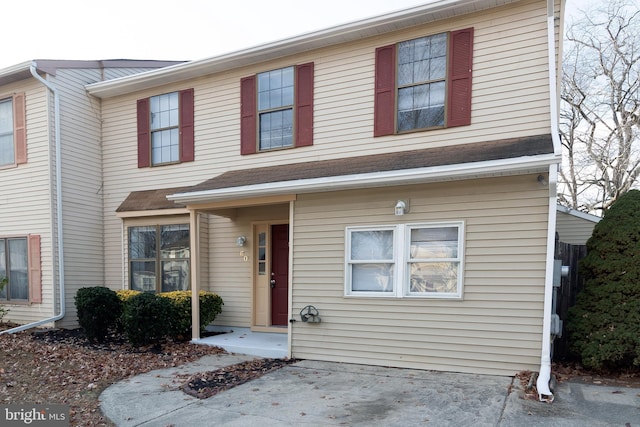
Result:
x=168 y=29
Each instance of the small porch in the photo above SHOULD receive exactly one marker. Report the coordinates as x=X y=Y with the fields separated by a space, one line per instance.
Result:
x=245 y=341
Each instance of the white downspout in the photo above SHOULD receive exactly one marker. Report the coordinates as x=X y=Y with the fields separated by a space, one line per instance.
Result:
x=544 y=377
x=56 y=121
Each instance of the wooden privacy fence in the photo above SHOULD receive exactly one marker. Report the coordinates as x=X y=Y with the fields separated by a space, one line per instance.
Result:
x=566 y=294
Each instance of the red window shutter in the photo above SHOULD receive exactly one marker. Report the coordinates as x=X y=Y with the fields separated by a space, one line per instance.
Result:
x=20 y=128
x=144 y=142
x=35 y=269
x=385 y=87
x=248 y=132
x=304 y=105
x=186 y=126
x=460 y=65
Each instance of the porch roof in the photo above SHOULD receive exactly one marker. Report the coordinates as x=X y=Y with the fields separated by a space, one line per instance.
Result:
x=474 y=160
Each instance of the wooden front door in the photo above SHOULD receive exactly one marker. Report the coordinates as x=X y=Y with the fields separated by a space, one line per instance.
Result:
x=279 y=274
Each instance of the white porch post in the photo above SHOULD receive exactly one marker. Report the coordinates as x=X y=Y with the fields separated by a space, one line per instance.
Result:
x=194 y=243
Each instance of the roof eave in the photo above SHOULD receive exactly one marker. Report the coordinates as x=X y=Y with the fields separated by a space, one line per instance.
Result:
x=436 y=10
x=493 y=168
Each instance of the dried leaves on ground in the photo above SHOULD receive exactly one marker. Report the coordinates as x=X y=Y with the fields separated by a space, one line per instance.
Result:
x=207 y=384
x=62 y=367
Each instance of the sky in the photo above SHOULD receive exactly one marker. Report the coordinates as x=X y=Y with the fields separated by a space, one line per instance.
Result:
x=169 y=29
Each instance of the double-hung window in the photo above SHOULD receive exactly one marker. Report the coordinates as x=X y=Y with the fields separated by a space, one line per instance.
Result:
x=159 y=258
x=424 y=83
x=406 y=260
x=13 y=144
x=276 y=109
x=166 y=129
x=20 y=269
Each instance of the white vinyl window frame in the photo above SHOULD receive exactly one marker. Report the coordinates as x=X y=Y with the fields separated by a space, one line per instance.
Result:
x=403 y=263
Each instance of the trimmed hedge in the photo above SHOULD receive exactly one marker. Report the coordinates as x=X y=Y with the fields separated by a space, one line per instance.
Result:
x=98 y=311
x=144 y=319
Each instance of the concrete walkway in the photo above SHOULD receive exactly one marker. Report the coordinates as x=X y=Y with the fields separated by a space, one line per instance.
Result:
x=335 y=394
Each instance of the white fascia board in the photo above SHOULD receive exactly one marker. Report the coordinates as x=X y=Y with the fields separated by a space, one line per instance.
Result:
x=417 y=15
x=502 y=167
x=578 y=214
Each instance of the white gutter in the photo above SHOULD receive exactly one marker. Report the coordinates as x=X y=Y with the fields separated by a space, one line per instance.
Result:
x=374 y=179
x=56 y=113
x=544 y=377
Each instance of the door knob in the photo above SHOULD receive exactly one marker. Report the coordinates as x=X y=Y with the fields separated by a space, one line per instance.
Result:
x=273 y=283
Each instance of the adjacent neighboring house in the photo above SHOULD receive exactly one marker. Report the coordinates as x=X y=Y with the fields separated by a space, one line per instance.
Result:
x=51 y=221
x=383 y=192
x=575 y=227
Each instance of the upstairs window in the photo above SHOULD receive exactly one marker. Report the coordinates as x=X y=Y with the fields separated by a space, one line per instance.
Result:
x=159 y=258
x=166 y=129
x=13 y=142
x=277 y=109
x=424 y=83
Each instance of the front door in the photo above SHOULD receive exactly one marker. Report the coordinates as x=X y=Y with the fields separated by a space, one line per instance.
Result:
x=279 y=274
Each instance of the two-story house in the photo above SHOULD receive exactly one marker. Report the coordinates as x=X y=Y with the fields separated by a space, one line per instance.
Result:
x=397 y=174
x=51 y=221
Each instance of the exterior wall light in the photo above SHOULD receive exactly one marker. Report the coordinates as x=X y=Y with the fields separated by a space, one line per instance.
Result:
x=241 y=241
x=401 y=208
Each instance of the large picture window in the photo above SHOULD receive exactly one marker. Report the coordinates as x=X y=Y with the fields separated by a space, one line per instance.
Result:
x=159 y=258
x=414 y=260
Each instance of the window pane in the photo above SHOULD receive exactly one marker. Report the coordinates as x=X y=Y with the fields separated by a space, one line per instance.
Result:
x=175 y=276
x=174 y=241
x=440 y=277
x=434 y=243
x=142 y=242
x=165 y=146
x=275 y=89
x=7 y=154
x=143 y=276
x=276 y=129
x=18 y=269
x=3 y=267
x=421 y=106
x=372 y=277
x=164 y=111
x=372 y=245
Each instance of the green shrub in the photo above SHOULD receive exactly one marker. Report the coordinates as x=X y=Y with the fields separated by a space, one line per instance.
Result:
x=604 y=324
x=210 y=307
x=98 y=311
x=147 y=318
x=126 y=294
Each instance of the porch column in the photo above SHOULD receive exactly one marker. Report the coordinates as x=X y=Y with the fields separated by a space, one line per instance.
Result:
x=194 y=243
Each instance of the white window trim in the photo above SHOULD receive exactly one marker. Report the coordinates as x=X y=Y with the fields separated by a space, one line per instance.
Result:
x=402 y=240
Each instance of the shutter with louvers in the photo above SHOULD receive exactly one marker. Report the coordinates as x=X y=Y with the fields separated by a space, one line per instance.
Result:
x=248 y=124
x=304 y=105
x=187 y=149
x=144 y=143
x=459 y=85
x=20 y=128
x=385 y=96
x=35 y=269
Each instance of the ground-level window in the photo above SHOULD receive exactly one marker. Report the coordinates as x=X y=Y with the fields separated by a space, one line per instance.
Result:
x=405 y=260
x=159 y=258
x=14 y=266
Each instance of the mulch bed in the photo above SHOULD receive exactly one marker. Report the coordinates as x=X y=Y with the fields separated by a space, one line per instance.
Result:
x=206 y=384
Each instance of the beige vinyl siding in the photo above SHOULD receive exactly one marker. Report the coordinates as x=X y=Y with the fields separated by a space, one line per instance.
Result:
x=81 y=185
x=509 y=99
x=230 y=276
x=572 y=229
x=25 y=201
x=494 y=329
